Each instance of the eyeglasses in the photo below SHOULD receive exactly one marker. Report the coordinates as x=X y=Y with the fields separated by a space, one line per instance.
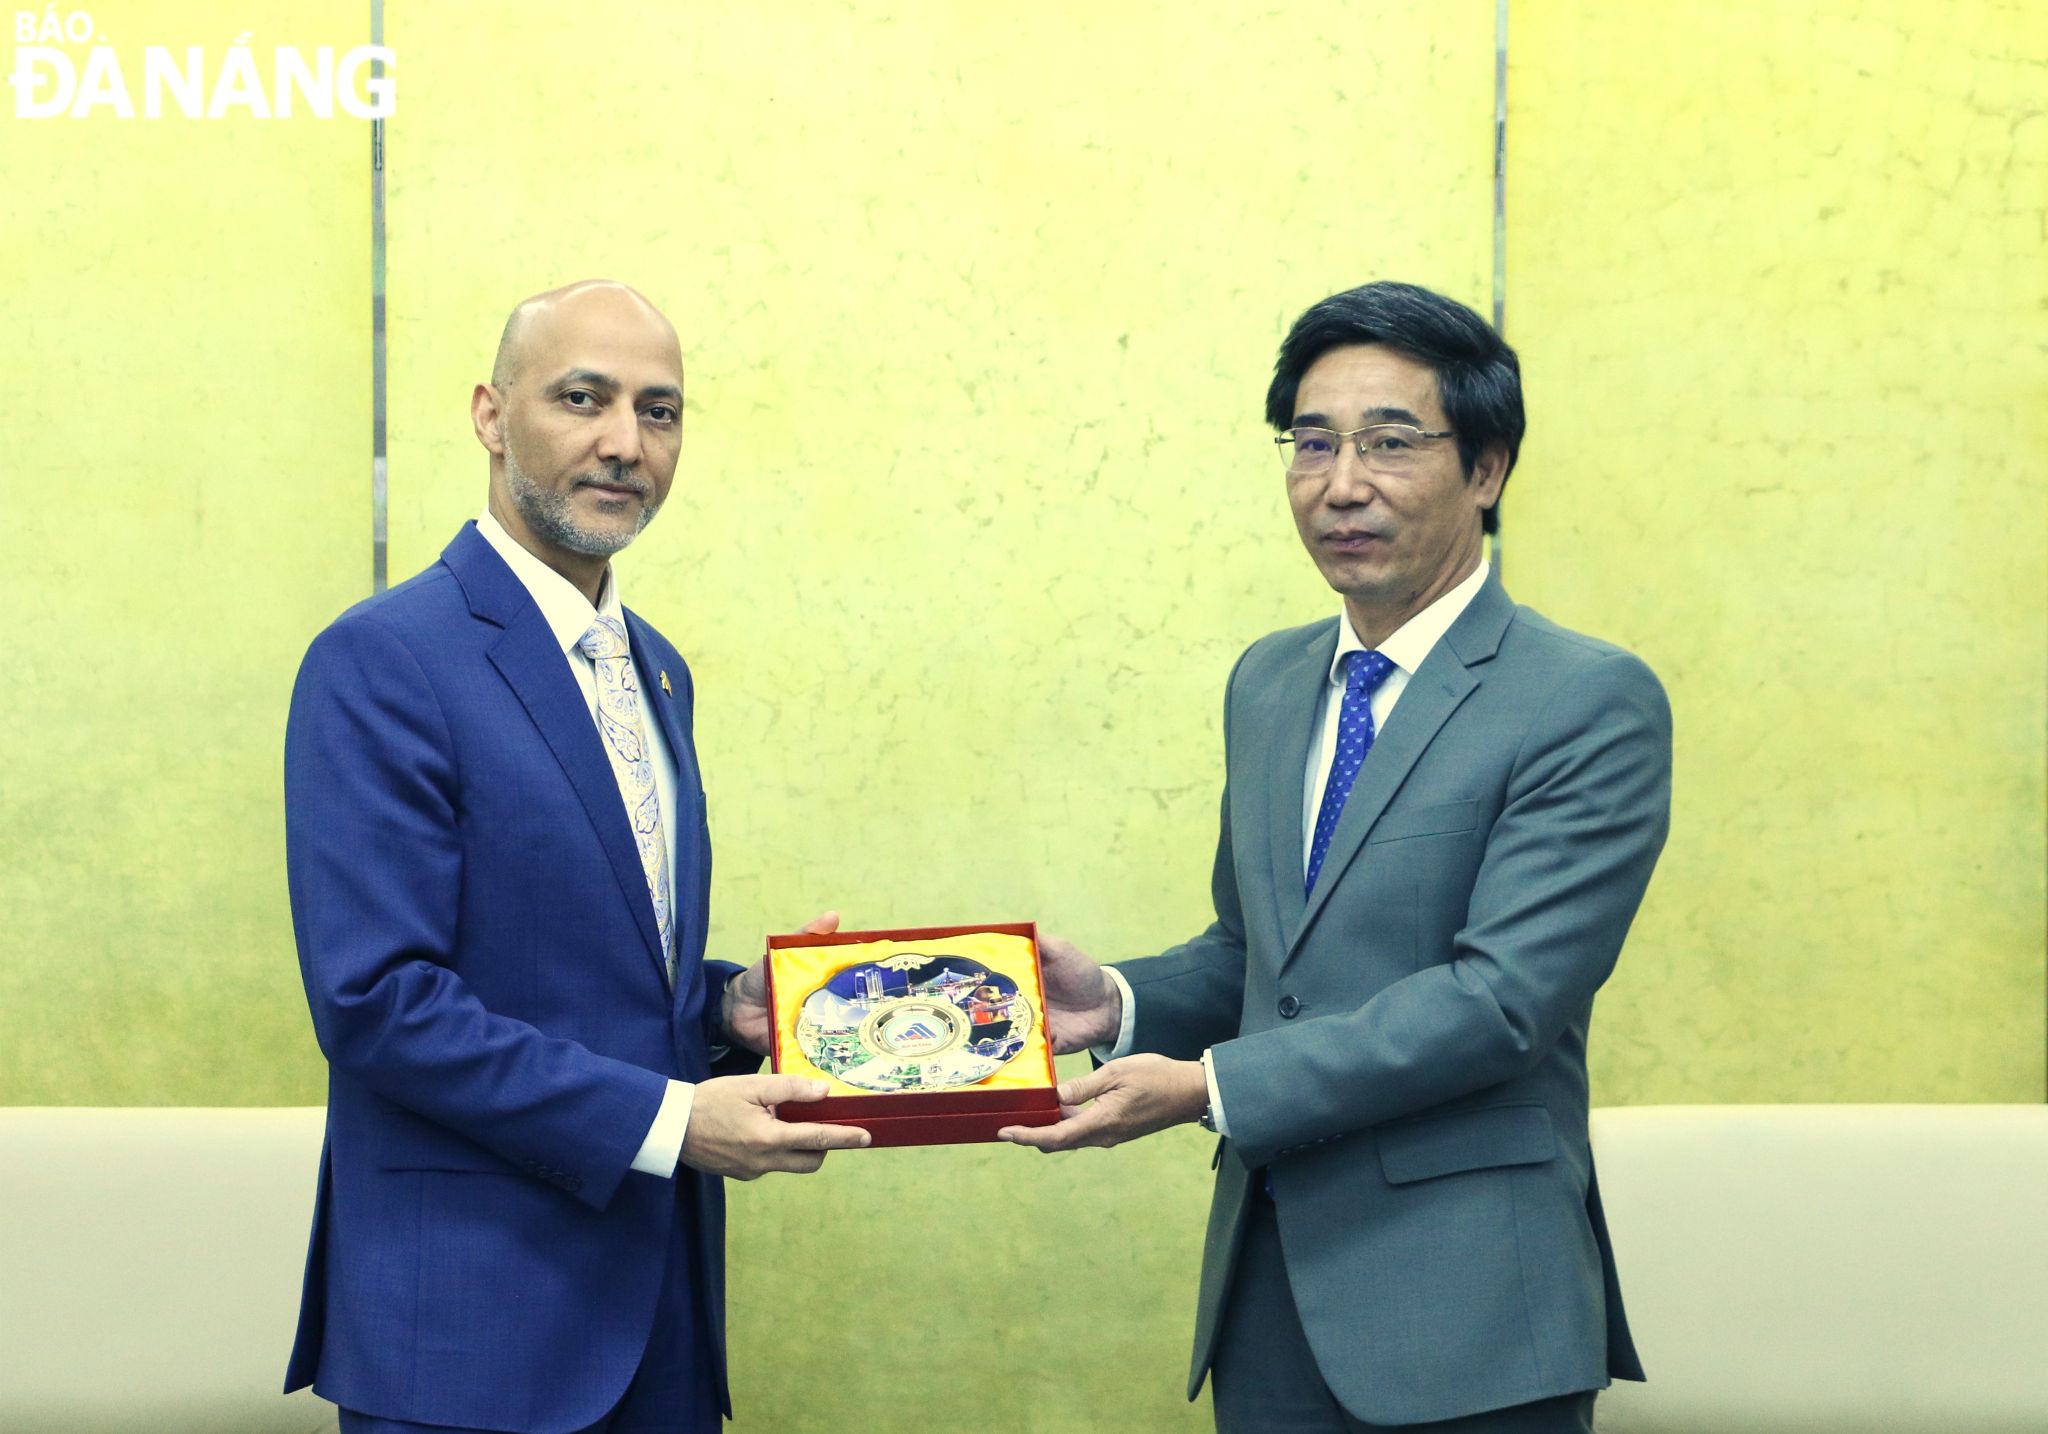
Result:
x=1385 y=447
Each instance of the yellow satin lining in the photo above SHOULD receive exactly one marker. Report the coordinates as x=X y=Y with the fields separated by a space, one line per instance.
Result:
x=797 y=971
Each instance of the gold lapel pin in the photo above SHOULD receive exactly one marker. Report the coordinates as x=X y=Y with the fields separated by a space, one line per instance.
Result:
x=666 y=690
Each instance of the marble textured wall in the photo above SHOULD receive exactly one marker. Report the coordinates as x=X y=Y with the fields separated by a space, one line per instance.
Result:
x=1776 y=273
x=975 y=510
x=183 y=501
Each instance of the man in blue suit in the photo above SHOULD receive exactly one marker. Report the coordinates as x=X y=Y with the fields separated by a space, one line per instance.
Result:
x=1440 y=814
x=500 y=870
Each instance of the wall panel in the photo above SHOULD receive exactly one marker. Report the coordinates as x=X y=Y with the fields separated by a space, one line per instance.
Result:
x=185 y=398
x=1776 y=276
x=976 y=510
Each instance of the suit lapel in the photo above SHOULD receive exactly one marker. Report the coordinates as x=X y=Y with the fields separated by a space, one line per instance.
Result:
x=670 y=710
x=531 y=663
x=1437 y=689
x=1287 y=710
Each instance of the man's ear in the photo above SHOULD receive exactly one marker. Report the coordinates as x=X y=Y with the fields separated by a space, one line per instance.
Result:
x=487 y=415
x=1489 y=473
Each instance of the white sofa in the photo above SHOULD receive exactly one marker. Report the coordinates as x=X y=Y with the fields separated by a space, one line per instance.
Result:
x=1789 y=1269
x=1830 y=1269
x=149 y=1269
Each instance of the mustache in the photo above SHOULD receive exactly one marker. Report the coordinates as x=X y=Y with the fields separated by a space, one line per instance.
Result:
x=616 y=475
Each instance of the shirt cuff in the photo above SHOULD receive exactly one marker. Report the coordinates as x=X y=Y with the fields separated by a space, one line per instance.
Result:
x=662 y=1150
x=1129 y=1026
x=1215 y=1096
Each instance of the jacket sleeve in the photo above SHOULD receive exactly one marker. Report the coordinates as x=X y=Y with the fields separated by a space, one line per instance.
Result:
x=374 y=855
x=1566 y=863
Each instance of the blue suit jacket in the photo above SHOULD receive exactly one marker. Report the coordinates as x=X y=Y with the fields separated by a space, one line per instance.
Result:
x=481 y=959
x=1404 y=1047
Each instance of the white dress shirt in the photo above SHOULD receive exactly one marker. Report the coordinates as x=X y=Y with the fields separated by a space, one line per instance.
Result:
x=1405 y=647
x=569 y=615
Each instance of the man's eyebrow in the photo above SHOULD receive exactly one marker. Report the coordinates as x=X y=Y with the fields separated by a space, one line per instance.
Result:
x=1383 y=414
x=585 y=378
x=663 y=390
x=1387 y=414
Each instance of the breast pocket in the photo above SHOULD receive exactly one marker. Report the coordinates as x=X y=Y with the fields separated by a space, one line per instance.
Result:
x=1436 y=819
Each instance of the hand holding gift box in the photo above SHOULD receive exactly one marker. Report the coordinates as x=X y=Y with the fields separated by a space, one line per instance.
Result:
x=1121 y=1099
x=1083 y=1007
x=746 y=1014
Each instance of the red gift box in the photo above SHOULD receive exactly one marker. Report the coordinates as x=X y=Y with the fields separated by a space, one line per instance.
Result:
x=949 y=1116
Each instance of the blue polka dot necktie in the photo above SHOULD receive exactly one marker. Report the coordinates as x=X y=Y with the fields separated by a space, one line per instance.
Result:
x=1363 y=674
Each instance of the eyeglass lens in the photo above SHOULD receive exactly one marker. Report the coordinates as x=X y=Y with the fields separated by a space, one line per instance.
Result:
x=1386 y=448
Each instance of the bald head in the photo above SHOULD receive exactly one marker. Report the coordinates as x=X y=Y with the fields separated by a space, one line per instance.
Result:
x=537 y=323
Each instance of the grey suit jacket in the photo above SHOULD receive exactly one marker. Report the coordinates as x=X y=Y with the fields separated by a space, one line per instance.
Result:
x=1405 y=1047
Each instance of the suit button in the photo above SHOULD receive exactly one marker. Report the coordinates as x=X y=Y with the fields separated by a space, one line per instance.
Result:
x=1289 y=1008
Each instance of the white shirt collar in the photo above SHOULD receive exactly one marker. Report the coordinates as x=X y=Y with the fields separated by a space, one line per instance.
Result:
x=568 y=613
x=1409 y=643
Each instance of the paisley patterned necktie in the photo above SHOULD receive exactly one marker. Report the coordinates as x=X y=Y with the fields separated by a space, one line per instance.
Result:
x=1363 y=674
x=625 y=742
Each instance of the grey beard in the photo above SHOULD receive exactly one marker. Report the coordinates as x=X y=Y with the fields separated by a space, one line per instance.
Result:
x=547 y=512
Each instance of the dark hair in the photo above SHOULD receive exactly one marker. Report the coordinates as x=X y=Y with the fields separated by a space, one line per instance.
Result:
x=1477 y=375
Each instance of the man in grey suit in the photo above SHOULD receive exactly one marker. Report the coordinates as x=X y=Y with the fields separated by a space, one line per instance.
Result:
x=1440 y=815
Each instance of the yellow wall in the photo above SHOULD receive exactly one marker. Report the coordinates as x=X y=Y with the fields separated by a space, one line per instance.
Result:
x=1777 y=278
x=976 y=510
x=185 y=407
